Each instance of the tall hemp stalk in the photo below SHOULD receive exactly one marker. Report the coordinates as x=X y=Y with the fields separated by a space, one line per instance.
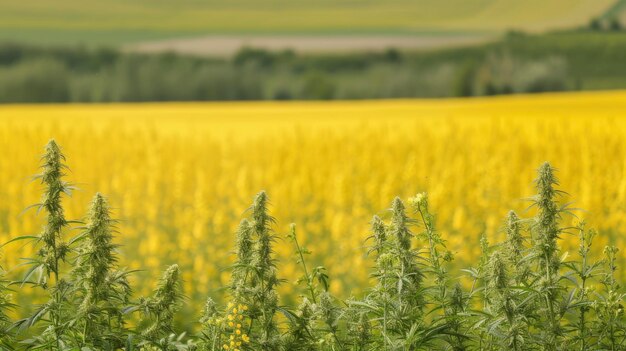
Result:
x=448 y=305
x=52 y=252
x=547 y=232
x=512 y=297
x=319 y=308
x=409 y=274
x=407 y=277
x=585 y=271
x=479 y=294
x=378 y=302
x=407 y=300
x=264 y=281
x=102 y=290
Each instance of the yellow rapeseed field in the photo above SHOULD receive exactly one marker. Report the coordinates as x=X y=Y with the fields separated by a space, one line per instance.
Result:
x=180 y=176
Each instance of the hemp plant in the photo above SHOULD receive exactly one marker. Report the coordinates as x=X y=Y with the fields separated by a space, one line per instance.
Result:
x=399 y=300
x=210 y=332
x=548 y=285
x=101 y=290
x=301 y=334
x=52 y=251
x=359 y=333
x=611 y=328
x=264 y=306
x=252 y=287
x=586 y=272
x=158 y=311
x=319 y=317
x=438 y=255
x=6 y=336
x=525 y=294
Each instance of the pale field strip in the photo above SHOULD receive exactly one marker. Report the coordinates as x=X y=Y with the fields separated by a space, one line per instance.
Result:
x=220 y=45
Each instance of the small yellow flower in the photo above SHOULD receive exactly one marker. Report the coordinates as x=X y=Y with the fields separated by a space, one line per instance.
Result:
x=418 y=200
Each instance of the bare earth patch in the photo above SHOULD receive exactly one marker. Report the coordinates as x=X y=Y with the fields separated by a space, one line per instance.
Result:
x=228 y=45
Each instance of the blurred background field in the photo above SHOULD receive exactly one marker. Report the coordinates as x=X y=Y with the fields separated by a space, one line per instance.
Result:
x=518 y=63
x=181 y=175
x=129 y=51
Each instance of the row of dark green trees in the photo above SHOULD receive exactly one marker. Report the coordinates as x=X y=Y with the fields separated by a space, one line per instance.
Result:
x=522 y=294
x=517 y=63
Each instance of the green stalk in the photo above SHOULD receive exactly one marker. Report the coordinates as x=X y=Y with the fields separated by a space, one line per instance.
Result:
x=548 y=231
x=299 y=250
x=54 y=251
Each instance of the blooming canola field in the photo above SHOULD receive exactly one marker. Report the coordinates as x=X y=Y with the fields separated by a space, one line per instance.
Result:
x=180 y=176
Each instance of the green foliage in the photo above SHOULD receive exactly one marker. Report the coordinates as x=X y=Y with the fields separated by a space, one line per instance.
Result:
x=159 y=309
x=35 y=80
x=518 y=63
x=263 y=302
x=52 y=252
x=6 y=337
x=546 y=233
x=101 y=290
x=523 y=294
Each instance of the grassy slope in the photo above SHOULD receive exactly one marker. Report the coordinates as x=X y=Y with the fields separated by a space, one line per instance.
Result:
x=118 y=21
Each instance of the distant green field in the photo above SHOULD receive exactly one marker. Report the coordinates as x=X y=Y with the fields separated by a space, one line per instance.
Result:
x=124 y=21
x=517 y=63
